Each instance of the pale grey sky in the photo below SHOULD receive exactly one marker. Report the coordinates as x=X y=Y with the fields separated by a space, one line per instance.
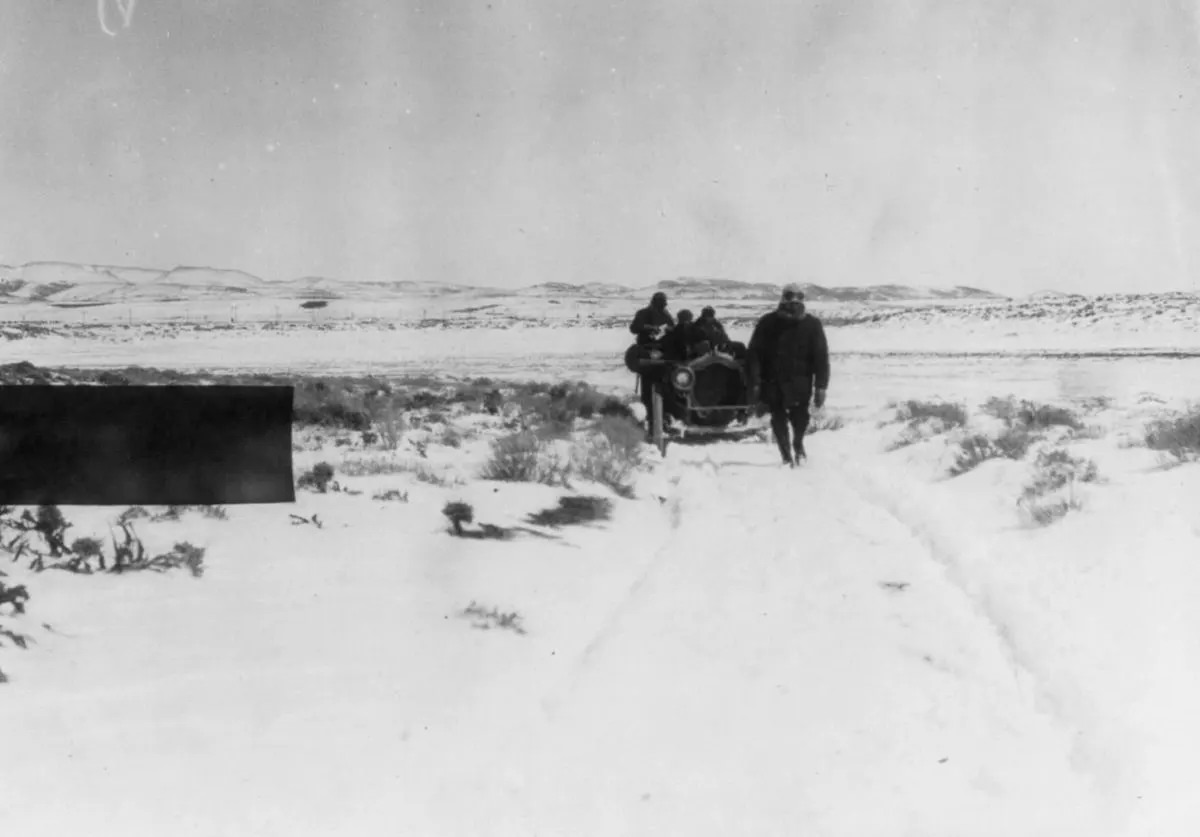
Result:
x=1011 y=145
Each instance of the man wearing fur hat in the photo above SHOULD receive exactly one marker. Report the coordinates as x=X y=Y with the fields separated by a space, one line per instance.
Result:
x=789 y=361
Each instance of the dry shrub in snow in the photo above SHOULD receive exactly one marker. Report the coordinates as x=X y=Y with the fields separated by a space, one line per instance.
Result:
x=317 y=478
x=387 y=466
x=214 y=512
x=559 y=405
x=459 y=513
x=516 y=457
x=88 y=548
x=610 y=453
x=1012 y=443
x=389 y=426
x=182 y=555
x=1177 y=437
x=1050 y=495
x=131 y=556
x=948 y=415
x=40 y=536
x=1043 y=512
x=330 y=402
x=1096 y=404
x=14 y=598
x=452 y=437
x=485 y=619
x=523 y=457
x=49 y=522
x=573 y=511
x=923 y=419
x=1031 y=414
x=595 y=459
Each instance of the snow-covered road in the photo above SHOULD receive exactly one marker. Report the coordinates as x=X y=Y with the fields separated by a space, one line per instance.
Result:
x=792 y=662
x=745 y=650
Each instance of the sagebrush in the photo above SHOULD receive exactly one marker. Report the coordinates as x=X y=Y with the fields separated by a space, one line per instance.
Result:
x=1031 y=414
x=923 y=419
x=1178 y=437
x=39 y=536
x=1051 y=494
x=523 y=457
x=1013 y=443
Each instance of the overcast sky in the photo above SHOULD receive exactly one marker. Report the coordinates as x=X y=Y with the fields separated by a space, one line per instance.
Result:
x=1010 y=145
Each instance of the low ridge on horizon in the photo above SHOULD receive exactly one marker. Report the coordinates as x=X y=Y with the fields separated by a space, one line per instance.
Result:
x=48 y=279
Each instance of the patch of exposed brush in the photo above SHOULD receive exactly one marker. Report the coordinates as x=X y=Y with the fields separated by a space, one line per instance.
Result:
x=610 y=453
x=574 y=511
x=390 y=466
x=486 y=619
x=1051 y=494
x=41 y=538
x=1031 y=414
x=452 y=437
x=556 y=409
x=462 y=514
x=1025 y=423
x=924 y=419
x=523 y=457
x=1096 y=404
x=948 y=414
x=317 y=478
x=173 y=513
x=388 y=425
x=12 y=606
x=1013 y=443
x=1177 y=437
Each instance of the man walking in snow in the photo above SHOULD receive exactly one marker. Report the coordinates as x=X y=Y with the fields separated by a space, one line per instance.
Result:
x=789 y=362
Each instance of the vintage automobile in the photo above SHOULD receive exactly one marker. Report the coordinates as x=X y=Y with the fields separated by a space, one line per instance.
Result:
x=709 y=394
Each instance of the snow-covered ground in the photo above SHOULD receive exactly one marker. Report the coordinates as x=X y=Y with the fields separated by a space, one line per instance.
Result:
x=864 y=646
x=864 y=356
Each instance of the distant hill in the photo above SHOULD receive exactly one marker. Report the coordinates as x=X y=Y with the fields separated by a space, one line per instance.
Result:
x=65 y=283
x=564 y=289
x=1052 y=295
x=732 y=288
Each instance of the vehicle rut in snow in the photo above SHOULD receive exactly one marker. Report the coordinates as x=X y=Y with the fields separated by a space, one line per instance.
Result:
x=790 y=652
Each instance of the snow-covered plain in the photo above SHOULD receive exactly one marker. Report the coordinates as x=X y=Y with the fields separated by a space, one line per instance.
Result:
x=864 y=646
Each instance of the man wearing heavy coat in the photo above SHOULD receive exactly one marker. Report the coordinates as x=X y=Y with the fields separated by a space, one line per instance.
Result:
x=651 y=324
x=789 y=364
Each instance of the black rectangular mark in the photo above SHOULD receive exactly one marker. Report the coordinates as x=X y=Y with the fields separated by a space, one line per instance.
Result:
x=146 y=445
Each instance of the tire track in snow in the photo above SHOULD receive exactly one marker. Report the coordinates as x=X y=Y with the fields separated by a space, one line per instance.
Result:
x=943 y=553
x=690 y=637
x=948 y=552
x=673 y=504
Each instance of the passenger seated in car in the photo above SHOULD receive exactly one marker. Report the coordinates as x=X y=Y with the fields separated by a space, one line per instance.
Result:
x=710 y=327
x=714 y=332
x=677 y=345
